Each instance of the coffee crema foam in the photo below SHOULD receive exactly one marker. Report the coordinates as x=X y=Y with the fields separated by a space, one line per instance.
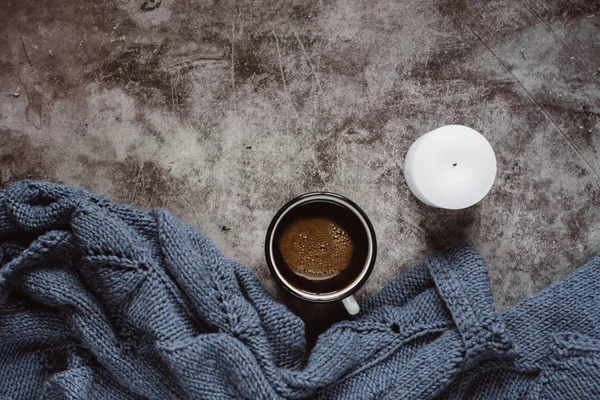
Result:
x=316 y=248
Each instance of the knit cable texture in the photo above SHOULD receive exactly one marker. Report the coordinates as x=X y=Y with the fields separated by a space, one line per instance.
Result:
x=103 y=301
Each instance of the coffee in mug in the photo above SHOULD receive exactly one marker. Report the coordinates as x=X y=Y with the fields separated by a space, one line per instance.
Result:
x=321 y=247
x=316 y=248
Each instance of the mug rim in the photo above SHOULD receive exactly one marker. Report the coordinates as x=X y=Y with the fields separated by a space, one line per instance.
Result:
x=332 y=198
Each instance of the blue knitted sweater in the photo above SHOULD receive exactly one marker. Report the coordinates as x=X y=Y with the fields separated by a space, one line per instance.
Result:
x=103 y=301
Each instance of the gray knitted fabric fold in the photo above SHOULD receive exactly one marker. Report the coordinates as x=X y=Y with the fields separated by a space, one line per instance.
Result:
x=103 y=301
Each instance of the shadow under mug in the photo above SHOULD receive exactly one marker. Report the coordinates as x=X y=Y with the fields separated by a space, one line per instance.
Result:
x=348 y=216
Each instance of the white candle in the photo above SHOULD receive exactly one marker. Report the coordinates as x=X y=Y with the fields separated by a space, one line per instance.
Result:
x=450 y=167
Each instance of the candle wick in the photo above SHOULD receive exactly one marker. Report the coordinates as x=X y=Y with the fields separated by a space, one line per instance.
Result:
x=454 y=165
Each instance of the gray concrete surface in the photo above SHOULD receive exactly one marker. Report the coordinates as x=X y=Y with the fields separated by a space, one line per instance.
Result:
x=223 y=110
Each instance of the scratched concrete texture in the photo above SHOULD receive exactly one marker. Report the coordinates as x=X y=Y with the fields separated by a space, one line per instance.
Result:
x=223 y=110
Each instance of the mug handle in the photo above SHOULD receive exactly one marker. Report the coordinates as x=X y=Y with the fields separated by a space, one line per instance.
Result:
x=351 y=305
